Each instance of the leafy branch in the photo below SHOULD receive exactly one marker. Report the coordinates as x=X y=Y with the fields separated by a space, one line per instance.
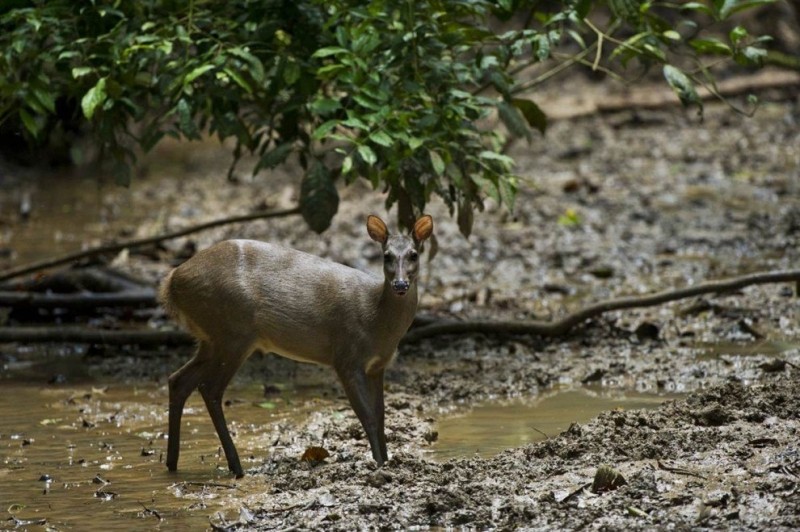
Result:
x=393 y=93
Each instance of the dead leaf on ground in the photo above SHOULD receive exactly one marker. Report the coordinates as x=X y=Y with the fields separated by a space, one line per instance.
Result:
x=315 y=455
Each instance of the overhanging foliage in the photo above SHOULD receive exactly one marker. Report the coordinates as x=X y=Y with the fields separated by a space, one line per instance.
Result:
x=397 y=93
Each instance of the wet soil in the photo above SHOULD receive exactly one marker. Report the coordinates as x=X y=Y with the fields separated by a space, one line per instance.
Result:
x=613 y=204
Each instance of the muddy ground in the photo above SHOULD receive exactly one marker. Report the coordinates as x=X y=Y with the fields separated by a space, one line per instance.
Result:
x=610 y=204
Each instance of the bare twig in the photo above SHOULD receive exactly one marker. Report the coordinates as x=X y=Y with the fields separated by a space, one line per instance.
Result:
x=679 y=470
x=564 y=325
x=114 y=248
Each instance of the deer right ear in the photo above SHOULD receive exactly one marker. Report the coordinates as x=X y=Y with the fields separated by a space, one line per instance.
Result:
x=422 y=229
x=377 y=229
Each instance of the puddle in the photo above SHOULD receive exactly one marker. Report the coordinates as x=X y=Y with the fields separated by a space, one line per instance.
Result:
x=712 y=351
x=492 y=427
x=81 y=437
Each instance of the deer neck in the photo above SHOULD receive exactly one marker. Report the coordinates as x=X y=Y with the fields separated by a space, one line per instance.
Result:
x=397 y=311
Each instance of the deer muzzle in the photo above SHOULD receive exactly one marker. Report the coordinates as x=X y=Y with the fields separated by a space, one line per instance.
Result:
x=400 y=286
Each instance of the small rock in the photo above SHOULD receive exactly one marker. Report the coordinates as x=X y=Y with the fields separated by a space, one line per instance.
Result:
x=378 y=479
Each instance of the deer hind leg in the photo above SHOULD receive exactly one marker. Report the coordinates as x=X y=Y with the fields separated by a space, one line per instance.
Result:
x=181 y=385
x=217 y=375
x=365 y=393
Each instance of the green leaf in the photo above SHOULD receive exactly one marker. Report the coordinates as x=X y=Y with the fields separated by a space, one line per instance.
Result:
x=94 y=98
x=355 y=122
x=414 y=143
x=319 y=199
x=325 y=106
x=727 y=8
x=751 y=55
x=437 y=162
x=365 y=101
x=78 y=72
x=235 y=76
x=697 y=6
x=186 y=119
x=513 y=120
x=367 y=154
x=499 y=157
x=347 y=165
x=329 y=51
x=29 y=122
x=275 y=156
x=328 y=71
x=196 y=73
x=487 y=185
x=324 y=129
x=532 y=113
x=382 y=138
x=672 y=35
x=256 y=66
x=681 y=84
x=46 y=99
x=508 y=190
x=710 y=46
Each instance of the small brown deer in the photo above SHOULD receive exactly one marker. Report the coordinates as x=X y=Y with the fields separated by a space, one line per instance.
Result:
x=242 y=295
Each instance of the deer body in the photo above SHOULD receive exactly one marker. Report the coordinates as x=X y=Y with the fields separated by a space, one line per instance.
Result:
x=242 y=295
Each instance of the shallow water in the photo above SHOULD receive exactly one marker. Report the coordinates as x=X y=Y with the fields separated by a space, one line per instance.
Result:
x=84 y=456
x=103 y=450
x=494 y=426
x=66 y=211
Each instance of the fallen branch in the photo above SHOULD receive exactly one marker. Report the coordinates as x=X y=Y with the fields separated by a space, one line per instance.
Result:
x=115 y=248
x=564 y=325
x=93 y=336
x=67 y=281
x=86 y=300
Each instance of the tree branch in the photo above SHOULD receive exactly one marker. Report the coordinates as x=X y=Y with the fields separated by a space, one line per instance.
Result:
x=114 y=248
x=564 y=325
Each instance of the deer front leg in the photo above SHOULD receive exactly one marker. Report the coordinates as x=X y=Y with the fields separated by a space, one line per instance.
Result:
x=365 y=393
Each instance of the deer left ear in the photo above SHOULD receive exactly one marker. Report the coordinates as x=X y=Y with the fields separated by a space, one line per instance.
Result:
x=377 y=229
x=423 y=229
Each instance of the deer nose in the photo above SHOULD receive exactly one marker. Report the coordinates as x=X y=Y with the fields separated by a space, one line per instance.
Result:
x=400 y=286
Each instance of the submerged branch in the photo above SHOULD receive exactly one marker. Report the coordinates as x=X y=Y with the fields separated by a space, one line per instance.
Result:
x=563 y=326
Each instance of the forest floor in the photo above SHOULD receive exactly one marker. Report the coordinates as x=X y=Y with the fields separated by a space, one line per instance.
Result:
x=611 y=204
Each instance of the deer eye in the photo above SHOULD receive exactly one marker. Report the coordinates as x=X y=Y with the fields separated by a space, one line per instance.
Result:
x=387 y=258
x=413 y=256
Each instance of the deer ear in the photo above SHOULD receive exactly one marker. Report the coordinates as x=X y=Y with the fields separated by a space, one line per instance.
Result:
x=423 y=229
x=377 y=229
